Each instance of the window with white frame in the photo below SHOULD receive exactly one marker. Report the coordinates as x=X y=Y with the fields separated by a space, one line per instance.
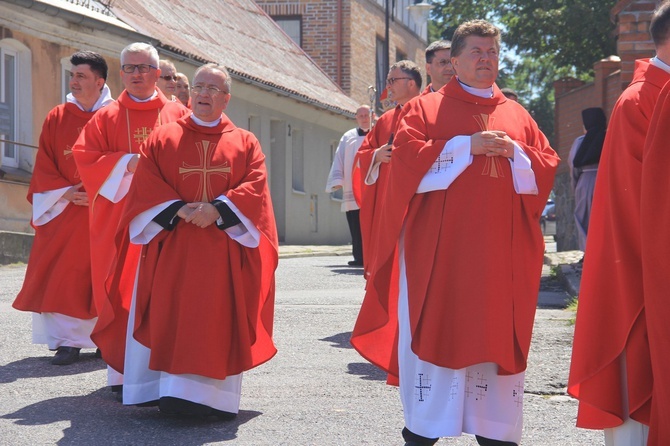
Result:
x=65 y=74
x=16 y=120
x=8 y=112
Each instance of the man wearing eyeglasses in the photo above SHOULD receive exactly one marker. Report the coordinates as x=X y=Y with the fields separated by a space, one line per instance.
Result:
x=438 y=65
x=451 y=297
x=167 y=81
x=106 y=153
x=371 y=163
x=203 y=308
x=57 y=286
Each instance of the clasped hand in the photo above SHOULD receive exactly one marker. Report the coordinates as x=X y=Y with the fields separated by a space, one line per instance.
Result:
x=200 y=214
x=492 y=143
x=77 y=197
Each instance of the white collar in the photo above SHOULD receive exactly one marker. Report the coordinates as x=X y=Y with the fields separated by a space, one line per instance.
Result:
x=104 y=99
x=205 y=123
x=658 y=63
x=481 y=92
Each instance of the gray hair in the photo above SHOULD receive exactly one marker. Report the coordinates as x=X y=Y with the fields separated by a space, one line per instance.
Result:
x=216 y=67
x=141 y=47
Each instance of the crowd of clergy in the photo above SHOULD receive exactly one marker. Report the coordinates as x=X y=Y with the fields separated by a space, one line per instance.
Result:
x=154 y=230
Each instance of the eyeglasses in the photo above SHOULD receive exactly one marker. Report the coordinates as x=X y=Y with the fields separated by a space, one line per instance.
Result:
x=442 y=63
x=391 y=80
x=142 y=68
x=212 y=91
x=169 y=78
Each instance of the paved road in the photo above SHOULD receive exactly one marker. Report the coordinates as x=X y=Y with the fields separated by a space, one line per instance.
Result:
x=316 y=391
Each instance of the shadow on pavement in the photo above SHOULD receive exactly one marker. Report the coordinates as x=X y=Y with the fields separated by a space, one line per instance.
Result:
x=98 y=419
x=346 y=269
x=366 y=371
x=41 y=367
x=340 y=340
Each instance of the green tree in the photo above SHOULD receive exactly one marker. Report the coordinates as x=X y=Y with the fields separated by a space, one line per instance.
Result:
x=543 y=41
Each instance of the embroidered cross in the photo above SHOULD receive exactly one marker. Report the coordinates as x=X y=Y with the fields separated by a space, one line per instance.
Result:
x=205 y=169
x=517 y=393
x=443 y=162
x=482 y=387
x=141 y=134
x=454 y=389
x=421 y=387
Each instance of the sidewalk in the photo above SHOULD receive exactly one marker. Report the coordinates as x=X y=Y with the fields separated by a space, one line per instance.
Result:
x=568 y=268
x=292 y=251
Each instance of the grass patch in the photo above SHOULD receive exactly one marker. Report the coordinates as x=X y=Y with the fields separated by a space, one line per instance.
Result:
x=572 y=306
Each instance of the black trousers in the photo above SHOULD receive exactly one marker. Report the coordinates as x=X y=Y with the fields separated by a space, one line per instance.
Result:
x=353 y=218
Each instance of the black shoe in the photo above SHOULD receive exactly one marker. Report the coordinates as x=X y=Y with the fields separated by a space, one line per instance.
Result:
x=355 y=263
x=117 y=388
x=98 y=353
x=412 y=439
x=65 y=356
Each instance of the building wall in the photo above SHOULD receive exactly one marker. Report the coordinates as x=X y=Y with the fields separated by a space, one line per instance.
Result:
x=45 y=91
x=308 y=216
x=633 y=41
x=570 y=102
x=348 y=57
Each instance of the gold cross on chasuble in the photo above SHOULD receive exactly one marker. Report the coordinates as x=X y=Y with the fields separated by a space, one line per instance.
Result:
x=492 y=166
x=141 y=134
x=204 y=169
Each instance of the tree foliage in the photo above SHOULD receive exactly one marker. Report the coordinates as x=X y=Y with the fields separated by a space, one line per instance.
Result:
x=543 y=40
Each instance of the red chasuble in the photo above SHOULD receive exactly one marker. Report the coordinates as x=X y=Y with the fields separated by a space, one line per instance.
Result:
x=368 y=196
x=205 y=303
x=58 y=277
x=611 y=314
x=473 y=252
x=654 y=224
x=116 y=130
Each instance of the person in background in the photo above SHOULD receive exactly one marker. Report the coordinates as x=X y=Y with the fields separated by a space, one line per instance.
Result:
x=340 y=178
x=373 y=157
x=611 y=370
x=510 y=94
x=167 y=81
x=107 y=153
x=583 y=160
x=57 y=286
x=438 y=65
x=183 y=90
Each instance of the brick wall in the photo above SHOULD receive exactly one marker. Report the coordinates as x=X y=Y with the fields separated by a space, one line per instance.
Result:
x=633 y=42
x=612 y=76
x=351 y=63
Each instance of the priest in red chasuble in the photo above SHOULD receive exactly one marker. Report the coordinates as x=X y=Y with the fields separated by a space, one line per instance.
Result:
x=106 y=154
x=57 y=286
x=371 y=163
x=451 y=299
x=654 y=220
x=200 y=209
x=613 y=371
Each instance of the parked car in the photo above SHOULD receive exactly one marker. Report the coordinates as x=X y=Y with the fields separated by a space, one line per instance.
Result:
x=548 y=219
